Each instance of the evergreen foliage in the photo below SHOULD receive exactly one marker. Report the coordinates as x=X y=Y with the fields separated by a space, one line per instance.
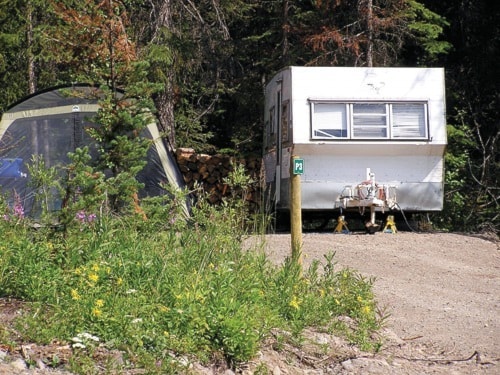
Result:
x=212 y=59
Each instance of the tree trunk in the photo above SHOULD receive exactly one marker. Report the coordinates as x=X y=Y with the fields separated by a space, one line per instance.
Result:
x=285 y=56
x=165 y=100
x=31 y=57
x=165 y=107
x=369 y=24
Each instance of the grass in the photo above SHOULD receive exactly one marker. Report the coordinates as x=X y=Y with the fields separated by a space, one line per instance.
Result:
x=160 y=289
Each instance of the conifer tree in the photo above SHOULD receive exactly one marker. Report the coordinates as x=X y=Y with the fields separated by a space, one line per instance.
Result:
x=372 y=32
x=97 y=49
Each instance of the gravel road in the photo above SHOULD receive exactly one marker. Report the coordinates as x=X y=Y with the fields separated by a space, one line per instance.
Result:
x=441 y=289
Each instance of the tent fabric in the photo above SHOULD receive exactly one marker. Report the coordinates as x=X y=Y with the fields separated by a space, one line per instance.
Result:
x=10 y=167
x=52 y=124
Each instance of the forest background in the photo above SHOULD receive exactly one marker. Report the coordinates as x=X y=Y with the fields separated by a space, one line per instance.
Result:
x=210 y=60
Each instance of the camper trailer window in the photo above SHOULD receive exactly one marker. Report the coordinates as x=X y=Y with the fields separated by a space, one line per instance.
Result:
x=271 y=120
x=271 y=126
x=369 y=120
x=408 y=120
x=329 y=120
x=366 y=121
x=285 y=136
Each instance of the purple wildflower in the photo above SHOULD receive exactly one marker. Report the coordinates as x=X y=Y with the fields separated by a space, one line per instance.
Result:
x=18 y=206
x=80 y=216
x=83 y=218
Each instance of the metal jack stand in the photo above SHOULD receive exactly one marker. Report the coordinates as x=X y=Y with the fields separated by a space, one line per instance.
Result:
x=390 y=225
x=341 y=225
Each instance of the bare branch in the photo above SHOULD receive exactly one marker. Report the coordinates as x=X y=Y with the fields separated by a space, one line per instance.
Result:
x=221 y=20
x=193 y=10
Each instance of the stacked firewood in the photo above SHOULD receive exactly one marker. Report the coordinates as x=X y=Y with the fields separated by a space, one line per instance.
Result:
x=210 y=173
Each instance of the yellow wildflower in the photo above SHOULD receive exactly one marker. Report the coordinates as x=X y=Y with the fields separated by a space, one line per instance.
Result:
x=75 y=295
x=93 y=277
x=360 y=299
x=96 y=312
x=295 y=303
x=119 y=281
x=322 y=293
x=164 y=309
x=95 y=267
x=366 y=309
x=99 y=303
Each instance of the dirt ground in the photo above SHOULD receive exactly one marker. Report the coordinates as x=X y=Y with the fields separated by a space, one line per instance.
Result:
x=442 y=292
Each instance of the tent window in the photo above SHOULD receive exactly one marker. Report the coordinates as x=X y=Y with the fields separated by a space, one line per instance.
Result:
x=368 y=121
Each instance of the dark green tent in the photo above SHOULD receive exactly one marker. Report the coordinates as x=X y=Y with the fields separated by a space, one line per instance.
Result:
x=51 y=124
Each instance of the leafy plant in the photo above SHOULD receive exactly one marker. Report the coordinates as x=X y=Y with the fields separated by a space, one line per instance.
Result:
x=162 y=292
x=49 y=191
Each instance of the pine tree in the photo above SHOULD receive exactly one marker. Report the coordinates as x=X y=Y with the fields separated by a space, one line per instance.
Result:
x=372 y=32
x=190 y=50
x=96 y=48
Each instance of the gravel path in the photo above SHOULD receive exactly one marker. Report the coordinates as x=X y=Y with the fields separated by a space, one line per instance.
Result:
x=442 y=290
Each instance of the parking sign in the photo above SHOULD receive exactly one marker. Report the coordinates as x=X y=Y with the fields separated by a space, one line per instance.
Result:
x=298 y=166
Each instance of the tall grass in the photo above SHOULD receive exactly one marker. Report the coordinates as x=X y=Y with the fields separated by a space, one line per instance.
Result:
x=168 y=287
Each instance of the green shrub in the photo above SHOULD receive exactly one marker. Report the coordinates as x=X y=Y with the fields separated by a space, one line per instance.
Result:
x=158 y=290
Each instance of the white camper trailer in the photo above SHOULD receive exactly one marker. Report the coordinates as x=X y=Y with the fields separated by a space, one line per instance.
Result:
x=368 y=138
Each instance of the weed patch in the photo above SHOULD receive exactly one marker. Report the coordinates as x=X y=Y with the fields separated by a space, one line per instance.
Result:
x=169 y=289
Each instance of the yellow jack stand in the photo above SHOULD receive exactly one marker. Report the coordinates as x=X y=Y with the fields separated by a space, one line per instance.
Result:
x=341 y=224
x=390 y=225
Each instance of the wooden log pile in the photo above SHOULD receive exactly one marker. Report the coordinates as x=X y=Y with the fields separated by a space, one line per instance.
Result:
x=209 y=172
